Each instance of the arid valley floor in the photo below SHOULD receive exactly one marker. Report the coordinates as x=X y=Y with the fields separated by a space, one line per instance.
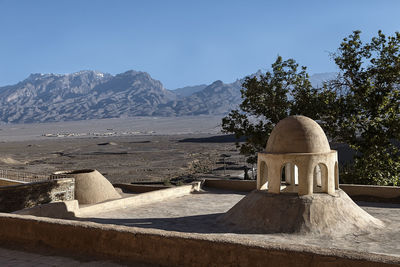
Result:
x=123 y=150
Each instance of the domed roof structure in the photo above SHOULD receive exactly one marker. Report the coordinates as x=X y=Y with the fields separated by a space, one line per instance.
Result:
x=298 y=152
x=297 y=134
x=91 y=186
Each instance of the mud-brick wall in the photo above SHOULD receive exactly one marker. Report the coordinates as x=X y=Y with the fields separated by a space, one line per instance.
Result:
x=18 y=197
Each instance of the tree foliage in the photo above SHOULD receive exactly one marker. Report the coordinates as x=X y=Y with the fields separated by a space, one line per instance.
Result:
x=367 y=90
x=360 y=107
x=267 y=99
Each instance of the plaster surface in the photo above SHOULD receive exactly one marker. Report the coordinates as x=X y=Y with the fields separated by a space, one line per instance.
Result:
x=297 y=134
x=91 y=186
x=263 y=212
x=18 y=258
x=198 y=213
x=298 y=141
x=169 y=248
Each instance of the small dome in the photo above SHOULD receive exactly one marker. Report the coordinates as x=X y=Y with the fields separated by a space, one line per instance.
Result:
x=297 y=134
x=91 y=187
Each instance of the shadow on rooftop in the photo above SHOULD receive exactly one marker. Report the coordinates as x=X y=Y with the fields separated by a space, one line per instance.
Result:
x=189 y=224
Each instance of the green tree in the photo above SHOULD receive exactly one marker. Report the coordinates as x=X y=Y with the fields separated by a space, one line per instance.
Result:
x=361 y=107
x=267 y=99
x=367 y=92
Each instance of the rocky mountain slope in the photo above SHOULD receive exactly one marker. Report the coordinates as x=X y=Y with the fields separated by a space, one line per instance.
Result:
x=94 y=95
x=189 y=90
x=83 y=95
x=217 y=98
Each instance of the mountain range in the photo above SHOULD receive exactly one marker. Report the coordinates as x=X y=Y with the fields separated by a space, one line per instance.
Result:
x=94 y=95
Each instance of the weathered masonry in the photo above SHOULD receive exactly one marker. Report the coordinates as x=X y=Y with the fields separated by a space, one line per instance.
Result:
x=298 y=150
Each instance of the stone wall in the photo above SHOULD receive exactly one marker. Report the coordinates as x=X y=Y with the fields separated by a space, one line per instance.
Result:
x=372 y=193
x=17 y=197
x=156 y=247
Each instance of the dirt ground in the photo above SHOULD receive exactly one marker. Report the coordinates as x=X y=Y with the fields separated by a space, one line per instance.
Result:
x=137 y=149
x=127 y=158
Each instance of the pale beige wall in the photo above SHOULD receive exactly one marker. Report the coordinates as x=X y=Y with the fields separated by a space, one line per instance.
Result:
x=234 y=185
x=71 y=209
x=371 y=190
x=169 y=248
x=306 y=163
x=139 y=199
x=6 y=182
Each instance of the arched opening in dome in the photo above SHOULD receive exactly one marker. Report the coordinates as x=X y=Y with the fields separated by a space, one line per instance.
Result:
x=320 y=178
x=289 y=177
x=317 y=177
x=263 y=175
x=336 y=175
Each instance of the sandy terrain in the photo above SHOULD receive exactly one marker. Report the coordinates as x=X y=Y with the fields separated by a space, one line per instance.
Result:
x=124 y=150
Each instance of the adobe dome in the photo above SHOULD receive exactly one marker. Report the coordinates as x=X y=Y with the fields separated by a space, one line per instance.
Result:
x=91 y=186
x=297 y=134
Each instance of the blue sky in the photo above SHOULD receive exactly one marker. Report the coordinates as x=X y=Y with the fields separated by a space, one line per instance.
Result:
x=180 y=42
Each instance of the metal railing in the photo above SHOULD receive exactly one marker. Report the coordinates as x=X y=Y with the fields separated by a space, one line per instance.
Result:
x=28 y=176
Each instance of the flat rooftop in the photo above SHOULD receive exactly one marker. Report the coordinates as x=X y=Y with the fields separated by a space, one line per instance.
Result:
x=198 y=212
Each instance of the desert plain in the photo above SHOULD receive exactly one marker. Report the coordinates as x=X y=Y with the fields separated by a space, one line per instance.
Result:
x=142 y=149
